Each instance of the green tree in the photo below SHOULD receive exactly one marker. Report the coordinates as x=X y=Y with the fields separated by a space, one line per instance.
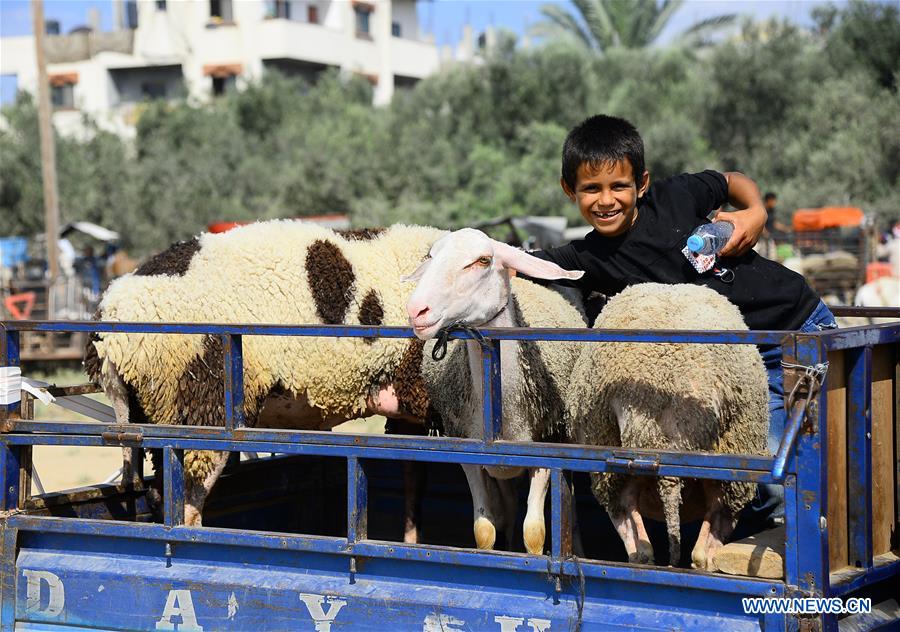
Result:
x=755 y=83
x=474 y=142
x=865 y=35
x=21 y=193
x=603 y=25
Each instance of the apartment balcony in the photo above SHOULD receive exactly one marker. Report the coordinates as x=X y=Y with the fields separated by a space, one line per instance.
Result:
x=412 y=58
x=287 y=39
x=222 y=42
x=86 y=44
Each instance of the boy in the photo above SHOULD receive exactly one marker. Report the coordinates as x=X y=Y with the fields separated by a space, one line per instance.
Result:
x=640 y=230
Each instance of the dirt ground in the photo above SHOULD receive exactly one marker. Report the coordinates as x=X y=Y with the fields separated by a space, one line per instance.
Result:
x=65 y=467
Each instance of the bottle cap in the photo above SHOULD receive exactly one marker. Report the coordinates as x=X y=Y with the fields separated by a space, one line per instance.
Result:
x=695 y=243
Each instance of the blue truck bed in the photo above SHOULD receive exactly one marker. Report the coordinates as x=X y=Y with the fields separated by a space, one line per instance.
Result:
x=313 y=539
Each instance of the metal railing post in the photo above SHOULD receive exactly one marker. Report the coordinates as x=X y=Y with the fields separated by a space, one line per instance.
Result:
x=560 y=515
x=357 y=507
x=10 y=476
x=811 y=573
x=9 y=357
x=173 y=487
x=233 y=355
x=357 y=500
x=859 y=457
x=492 y=394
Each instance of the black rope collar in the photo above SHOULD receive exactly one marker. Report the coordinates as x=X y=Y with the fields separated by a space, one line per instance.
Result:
x=439 y=351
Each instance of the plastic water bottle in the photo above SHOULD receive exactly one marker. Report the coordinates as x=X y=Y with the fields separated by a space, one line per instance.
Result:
x=710 y=238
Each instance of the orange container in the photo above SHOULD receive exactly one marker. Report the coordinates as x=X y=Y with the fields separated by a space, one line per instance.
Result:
x=810 y=219
x=877 y=269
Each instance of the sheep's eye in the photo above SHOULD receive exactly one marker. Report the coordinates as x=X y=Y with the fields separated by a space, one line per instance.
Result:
x=426 y=257
x=483 y=261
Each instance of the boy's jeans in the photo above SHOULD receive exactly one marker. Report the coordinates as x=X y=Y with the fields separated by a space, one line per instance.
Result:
x=767 y=508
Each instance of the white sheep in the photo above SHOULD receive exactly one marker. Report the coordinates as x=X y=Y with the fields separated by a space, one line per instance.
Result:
x=466 y=279
x=283 y=272
x=882 y=292
x=692 y=397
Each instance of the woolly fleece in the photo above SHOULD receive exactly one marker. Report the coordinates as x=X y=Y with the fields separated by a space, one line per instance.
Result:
x=257 y=274
x=533 y=407
x=718 y=394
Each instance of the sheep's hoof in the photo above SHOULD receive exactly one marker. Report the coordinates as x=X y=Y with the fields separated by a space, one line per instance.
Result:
x=485 y=534
x=698 y=558
x=643 y=555
x=411 y=535
x=534 y=534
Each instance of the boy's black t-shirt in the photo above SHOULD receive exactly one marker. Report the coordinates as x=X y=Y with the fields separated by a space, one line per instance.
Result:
x=768 y=295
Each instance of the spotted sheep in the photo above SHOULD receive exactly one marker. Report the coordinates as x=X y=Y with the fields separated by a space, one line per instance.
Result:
x=274 y=272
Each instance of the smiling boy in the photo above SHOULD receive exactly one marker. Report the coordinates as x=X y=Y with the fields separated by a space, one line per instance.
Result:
x=640 y=231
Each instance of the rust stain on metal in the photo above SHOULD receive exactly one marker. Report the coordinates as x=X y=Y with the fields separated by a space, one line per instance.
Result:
x=123 y=438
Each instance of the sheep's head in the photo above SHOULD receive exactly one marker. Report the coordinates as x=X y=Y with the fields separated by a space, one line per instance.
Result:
x=465 y=279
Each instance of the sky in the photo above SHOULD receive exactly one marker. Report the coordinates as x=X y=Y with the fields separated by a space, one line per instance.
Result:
x=444 y=18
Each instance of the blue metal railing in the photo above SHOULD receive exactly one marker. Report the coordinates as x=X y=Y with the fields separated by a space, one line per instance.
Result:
x=801 y=470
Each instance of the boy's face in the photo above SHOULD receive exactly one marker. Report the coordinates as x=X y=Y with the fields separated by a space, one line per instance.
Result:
x=607 y=196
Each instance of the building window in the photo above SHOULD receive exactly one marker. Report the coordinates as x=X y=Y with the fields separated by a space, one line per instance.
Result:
x=131 y=14
x=223 y=85
x=153 y=90
x=160 y=5
x=62 y=89
x=222 y=77
x=220 y=11
x=278 y=9
x=402 y=82
x=363 y=11
x=63 y=96
x=312 y=14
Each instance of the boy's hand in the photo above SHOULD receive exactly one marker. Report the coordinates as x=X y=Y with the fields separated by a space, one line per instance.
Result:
x=748 y=225
x=749 y=221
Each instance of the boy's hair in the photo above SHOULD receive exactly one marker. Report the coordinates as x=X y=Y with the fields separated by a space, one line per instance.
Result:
x=769 y=196
x=602 y=139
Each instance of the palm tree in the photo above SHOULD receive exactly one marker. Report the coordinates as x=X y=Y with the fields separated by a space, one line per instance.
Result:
x=601 y=25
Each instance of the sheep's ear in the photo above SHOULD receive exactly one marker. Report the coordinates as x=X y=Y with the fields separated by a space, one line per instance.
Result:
x=532 y=266
x=417 y=274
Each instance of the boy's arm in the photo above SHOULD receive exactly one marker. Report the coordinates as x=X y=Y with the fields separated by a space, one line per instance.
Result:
x=750 y=218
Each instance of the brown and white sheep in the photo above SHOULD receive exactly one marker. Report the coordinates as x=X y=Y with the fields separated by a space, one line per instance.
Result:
x=283 y=272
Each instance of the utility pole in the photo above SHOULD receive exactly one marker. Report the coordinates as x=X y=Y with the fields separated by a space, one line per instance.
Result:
x=48 y=154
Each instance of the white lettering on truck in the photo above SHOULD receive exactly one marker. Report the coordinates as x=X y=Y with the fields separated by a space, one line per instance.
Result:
x=57 y=600
x=179 y=604
x=511 y=624
x=323 y=619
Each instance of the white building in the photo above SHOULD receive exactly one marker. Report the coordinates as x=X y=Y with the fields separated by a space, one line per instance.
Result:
x=199 y=48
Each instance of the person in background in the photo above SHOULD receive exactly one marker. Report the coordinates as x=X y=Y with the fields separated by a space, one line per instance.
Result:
x=774 y=230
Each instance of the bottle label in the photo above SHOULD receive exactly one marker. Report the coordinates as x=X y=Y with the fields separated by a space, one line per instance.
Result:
x=701 y=263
